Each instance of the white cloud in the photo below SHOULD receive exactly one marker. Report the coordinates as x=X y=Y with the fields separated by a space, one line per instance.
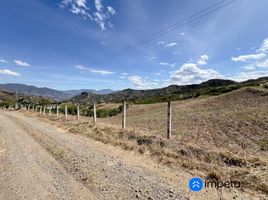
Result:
x=262 y=64
x=249 y=57
x=124 y=74
x=100 y=16
x=172 y=44
x=79 y=3
x=22 y=63
x=243 y=76
x=98 y=5
x=81 y=67
x=204 y=57
x=257 y=62
x=172 y=65
x=161 y=42
x=137 y=81
x=190 y=73
x=140 y=83
x=111 y=10
x=264 y=46
x=102 y=72
x=256 y=57
x=167 y=45
x=9 y=72
x=182 y=33
x=203 y=60
x=100 y=19
x=249 y=67
x=77 y=7
x=3 y=61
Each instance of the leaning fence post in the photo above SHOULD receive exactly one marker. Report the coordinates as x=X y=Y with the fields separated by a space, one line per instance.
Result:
x=66 y=111
x=78 y=112
x=169 y=115
x=94 y=112
x=57 y=111
x=124 y=115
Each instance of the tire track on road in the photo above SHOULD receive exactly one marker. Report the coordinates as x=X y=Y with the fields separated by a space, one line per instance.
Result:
x=103 y=172
x=29 y=172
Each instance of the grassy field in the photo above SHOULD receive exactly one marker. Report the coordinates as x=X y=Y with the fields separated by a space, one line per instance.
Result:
x=222 y=137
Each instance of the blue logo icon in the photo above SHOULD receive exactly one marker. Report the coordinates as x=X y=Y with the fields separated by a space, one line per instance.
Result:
x=196 y=184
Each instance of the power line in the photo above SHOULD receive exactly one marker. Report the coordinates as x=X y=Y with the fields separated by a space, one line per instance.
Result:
x=198 y=15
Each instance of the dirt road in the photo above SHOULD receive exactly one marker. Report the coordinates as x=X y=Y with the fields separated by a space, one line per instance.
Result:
x=40 y=162
x=30 y=172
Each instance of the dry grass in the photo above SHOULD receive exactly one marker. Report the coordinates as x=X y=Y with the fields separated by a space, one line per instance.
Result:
x=223 y=137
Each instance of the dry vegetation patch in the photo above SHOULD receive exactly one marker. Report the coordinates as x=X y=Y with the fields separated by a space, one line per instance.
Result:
x=223 y=137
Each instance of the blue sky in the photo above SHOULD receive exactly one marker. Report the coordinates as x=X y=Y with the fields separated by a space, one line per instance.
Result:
x=63 y=44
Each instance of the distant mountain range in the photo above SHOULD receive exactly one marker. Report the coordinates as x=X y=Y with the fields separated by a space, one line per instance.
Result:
x=172 y=92
x=48 y=92
x=78 y=92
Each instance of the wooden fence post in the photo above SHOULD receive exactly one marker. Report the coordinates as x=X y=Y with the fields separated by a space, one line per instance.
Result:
x=44 y=110
x=66 y=111
x=124 y=115
x=78 y=112
x=94 y=112
x=169 y=115
x=49 y=111
x=57 y=111
x=40 y=111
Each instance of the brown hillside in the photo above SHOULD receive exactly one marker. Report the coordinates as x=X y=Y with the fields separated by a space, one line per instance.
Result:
x=223 y=137
x=228 y=134
x=240 y=116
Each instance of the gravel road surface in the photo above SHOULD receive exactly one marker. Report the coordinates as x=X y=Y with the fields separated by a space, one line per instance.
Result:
x=39 y=161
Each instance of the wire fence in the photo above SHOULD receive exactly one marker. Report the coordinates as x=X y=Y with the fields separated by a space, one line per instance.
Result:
x=153 y=118
x=168 y=119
